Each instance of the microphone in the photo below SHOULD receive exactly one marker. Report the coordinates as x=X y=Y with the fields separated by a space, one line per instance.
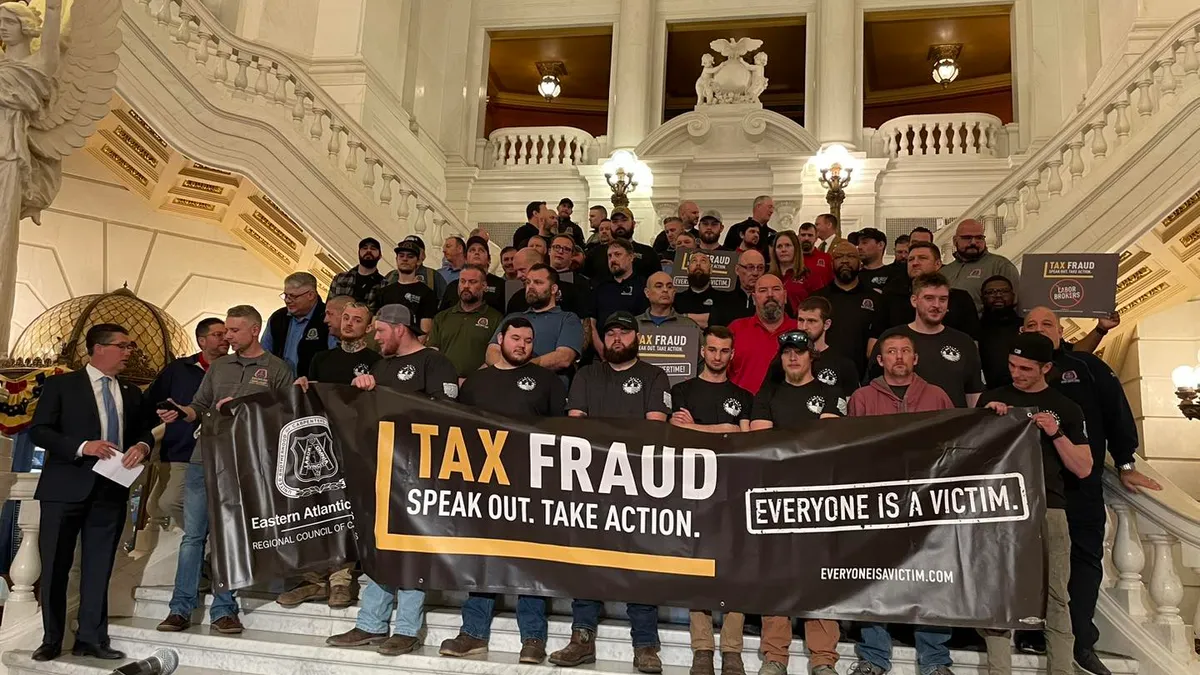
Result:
x=161 y=662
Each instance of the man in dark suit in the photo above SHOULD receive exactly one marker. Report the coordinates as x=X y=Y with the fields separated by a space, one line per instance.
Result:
x=81 y=418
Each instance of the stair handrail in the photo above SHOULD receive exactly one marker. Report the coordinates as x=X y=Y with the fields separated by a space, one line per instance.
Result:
x=322 y=104
x=1091 y=116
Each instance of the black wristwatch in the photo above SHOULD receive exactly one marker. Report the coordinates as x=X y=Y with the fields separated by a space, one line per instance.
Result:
x=1057 y=435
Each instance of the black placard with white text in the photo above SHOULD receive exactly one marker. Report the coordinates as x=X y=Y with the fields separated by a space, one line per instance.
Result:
x=1071 y=284
x=723 y=263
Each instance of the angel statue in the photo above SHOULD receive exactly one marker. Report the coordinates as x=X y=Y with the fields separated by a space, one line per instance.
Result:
x=704 y=85
x=50 y=101
x=733 y=75
x=758 y=79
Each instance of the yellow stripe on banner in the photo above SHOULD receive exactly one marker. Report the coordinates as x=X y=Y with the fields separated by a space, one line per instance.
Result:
x=572 y=555
x=594 y=557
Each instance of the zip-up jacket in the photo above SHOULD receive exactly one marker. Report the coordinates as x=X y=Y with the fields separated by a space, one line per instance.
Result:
x=877 y=398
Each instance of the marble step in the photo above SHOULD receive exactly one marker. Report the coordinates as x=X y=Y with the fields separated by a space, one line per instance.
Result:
x=315 y=621
x=19 y=662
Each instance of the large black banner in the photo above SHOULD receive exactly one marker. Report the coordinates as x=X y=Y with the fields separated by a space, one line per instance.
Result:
x=925 y=518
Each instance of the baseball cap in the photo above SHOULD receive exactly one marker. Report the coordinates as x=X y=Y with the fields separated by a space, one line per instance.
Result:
x=477 y=240
x=621 y=320
x=410 y=246
x=398 y=315
x=1033 y=346
x=795 y=339
x=622 y=211
x=370 y=241
x=417 y=240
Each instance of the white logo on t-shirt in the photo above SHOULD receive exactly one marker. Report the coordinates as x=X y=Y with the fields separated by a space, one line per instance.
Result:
x=450 y=389
x=816 y=404
x=526 y=384
x=362 y=369
x=412 y=297
x=667 y=399
x=632 y=386
x=950 y=354
x=407 y=373
x=733 y=407
x=842 y=405
x=827 y=376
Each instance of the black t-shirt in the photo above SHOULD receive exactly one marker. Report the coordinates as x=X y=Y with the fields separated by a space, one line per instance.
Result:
x=527 y=391
x=339 y=366
x=364 y=284
x=572 y=297
x=733 y=237
x=1070 y=422
x=614 y=296
x=712 y=402
x=645 y=262
x=523 y=234
x=830 y=368
x=899 y=390
x=897 y=309
x=426 y=371
x=790 y=407
x=729 y=307
x=419 y=298
x=493 y=294
x=998 y=331
x=852 y=318
x=948 y=359
x=877 y=278
x=691 y=302
x=600 y=391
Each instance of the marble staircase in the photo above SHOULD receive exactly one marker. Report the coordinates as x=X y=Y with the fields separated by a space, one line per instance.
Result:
x=279 y=640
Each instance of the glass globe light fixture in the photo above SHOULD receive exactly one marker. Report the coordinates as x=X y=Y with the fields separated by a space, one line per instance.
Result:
x=549 y=87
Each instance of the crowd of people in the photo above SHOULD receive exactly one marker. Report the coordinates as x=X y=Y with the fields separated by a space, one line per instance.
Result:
x=816 y=326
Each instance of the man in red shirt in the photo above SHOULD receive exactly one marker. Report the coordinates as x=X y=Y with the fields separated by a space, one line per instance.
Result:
x=756 y=338
x=818 y=263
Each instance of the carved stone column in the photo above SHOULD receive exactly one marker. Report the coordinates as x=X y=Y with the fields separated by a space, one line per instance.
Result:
x=630 y=98
x=837 y=79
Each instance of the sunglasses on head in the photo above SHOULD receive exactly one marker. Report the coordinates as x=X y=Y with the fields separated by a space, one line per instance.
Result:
x=795 y=338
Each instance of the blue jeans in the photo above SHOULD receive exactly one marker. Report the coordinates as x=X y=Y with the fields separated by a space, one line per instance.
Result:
x=876 y=646
x=643 y=620
x=477 y=616
x=191 y=552
x=377 y=603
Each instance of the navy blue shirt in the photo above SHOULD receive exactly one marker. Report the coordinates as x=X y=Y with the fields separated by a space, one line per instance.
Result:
x=179 y=381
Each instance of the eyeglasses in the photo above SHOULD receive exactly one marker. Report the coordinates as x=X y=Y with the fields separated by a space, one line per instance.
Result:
x=123 y=346
x=562 y=249
x=753 y=268
x=293 y=296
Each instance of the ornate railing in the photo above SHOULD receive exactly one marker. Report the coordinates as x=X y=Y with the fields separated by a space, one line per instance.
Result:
x=943 y=135
x=1151 y=86
x=26 y=567
x=254 y=72
x=539 y=146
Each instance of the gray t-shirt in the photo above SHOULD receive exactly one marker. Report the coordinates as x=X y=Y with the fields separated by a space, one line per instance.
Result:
x=234 y=376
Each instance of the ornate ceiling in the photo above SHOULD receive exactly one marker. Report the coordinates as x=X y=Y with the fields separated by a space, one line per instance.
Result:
x=148 y=166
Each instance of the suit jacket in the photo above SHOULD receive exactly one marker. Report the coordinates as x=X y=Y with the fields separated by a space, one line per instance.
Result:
x=65 y=417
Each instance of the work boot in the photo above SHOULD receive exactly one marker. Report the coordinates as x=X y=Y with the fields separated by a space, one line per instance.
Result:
x=580 y=650
x=731 y=664
x=773 y=668
x=823 y=670
x=356 y=637
x=865 y=668
x=463 y=645
x=646 y=660
x=303 y=593
x=341 y=597
x=229 y=625
x=533 y=651
x=174 y=624
x=702 y=663
x=398 y=645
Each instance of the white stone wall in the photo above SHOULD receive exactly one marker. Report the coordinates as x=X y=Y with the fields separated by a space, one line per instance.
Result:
x=99 y=236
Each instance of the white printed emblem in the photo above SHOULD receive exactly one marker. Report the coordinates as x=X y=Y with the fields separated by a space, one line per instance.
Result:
x=311 y=334
x=632 y=386
x=1070 y=377
x=362 y=369
x=667 y=399
x=842 y=404
x=450 y=389
x=305 y=463
x=816 y=404
x=950 y=354
x=407 y=373
x=879 y=281
x=526 y=384
x=827 y=376
x=868 y=304
x=733 y=407
x=482 y=322
x=412 y=297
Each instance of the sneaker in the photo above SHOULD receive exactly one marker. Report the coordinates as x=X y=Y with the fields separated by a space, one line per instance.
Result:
x=865 y=668
x=1088 y=662
x=823 y=670
x=731 y=664
x=398 y=645
x=773 y=668
x=341 y=597
x=580 y=650
x=646 y=660
x=302 y=594
x=228 y=625
x=356 y=637
x=702 y=663
x=174 y=624
x=1030 y=642
x=533 y=651
x=463 y=645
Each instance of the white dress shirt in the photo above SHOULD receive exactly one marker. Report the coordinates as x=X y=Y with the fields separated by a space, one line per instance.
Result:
x=94 y=376
x=824 y=244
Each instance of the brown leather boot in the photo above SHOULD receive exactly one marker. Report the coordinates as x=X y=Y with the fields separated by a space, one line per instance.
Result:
x=702 y=663
x=731 y=664
x=581 y=650
x=646 y=660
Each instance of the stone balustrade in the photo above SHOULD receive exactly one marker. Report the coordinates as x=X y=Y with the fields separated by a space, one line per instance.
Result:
x=942 y=135
x=256 y=73
x=21 y=604
x=1151 y=89
x=539 y=146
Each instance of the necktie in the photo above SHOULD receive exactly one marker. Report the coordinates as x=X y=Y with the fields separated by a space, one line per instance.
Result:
x=113 y=433
x=822 y=247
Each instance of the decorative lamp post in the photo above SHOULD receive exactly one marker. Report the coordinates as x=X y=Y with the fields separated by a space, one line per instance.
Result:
x=620 y=171
x=1186 y=379
x=836 y=166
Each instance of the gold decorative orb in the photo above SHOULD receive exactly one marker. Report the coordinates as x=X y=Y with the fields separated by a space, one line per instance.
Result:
x=57 y=336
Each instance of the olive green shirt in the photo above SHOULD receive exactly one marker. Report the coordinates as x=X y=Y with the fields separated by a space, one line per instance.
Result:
x=464 y=336
x=233 y=376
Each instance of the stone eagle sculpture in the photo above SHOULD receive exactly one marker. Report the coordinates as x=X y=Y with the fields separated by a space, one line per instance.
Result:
x=733 y=80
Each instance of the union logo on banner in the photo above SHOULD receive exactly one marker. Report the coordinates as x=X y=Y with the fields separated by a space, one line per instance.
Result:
x=306 y=464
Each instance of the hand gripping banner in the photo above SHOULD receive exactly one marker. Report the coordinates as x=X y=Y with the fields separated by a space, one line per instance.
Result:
x=930 y=518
